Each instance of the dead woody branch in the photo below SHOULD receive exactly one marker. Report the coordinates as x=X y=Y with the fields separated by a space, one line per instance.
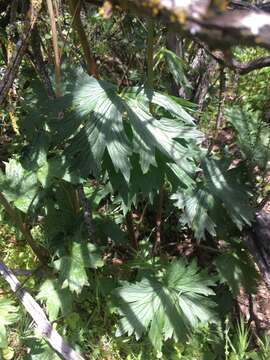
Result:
x=35 y=311
x=220 y=24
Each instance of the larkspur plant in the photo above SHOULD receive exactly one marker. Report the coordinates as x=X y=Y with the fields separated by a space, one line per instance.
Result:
x=129 y=180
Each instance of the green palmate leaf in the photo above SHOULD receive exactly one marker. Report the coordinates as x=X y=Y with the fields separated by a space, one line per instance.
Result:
x=127 y=193
x=35 y=154
x=8 y=316
x=253 y=134
x=188 y=279
x=107 y=228
x=72 y=268
x=176 y=174
x=150 y=134
x=196 y=205
x=167 y=307
x=224 y=185
x=105 y=110
x=146 y=183
x=104 y=129
x=237 y=270
x=18 y=185
x=221 y=190
x=38 y=349
x=60 y=215
x=174 y=106
x=177 y=69
x=142 y=304
x=56 y=168
x=48 y=169
x=55 y=298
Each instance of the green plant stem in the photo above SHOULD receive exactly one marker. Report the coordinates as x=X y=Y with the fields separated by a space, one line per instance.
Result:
x=40 y=251
x=150 y=84
x=87 y=214
x=160 y=199
x=44 y=327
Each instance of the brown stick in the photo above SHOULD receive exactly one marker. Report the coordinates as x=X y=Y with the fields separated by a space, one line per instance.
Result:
x=75 y=10
x=39 y=64
x=35 y=311
x=240 y=68
x=131 y=231
x=221 y=101
x=87 y=214
x=41 y=252
x=57 y=64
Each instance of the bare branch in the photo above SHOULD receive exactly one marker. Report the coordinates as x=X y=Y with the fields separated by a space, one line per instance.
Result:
x=35 y=311
x=252 y=65
x=245 y=68
x=225 y=60
x=218 y=27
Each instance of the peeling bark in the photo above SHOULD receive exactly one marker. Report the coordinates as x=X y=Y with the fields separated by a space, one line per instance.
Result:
x=204 y=83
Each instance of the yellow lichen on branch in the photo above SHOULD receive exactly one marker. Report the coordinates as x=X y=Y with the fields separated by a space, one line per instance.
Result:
x=181 y=16
x=221 y=5
x=14 y=123
x=106 y=9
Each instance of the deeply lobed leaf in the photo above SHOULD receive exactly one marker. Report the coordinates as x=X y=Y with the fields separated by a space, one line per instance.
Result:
x=106 y=112
x=167 y=307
